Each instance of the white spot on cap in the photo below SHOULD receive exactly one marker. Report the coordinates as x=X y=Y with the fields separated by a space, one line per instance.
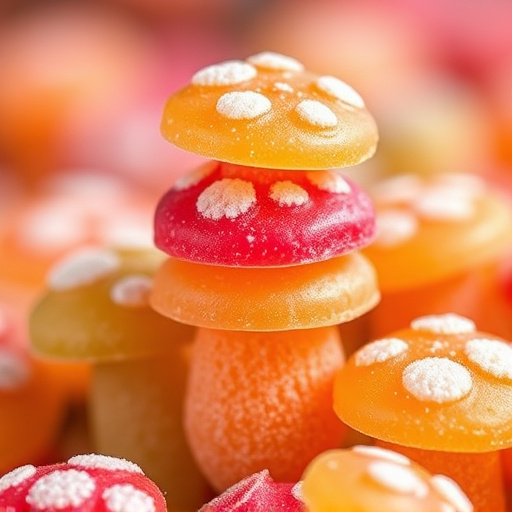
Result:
x=16 y=477
x=275 y=61
x=452 y=493
x=449 y=323
x=379 y=351
x=131 y=291
x=394 y=227
x=397 y=478
x=466 y=183
x=442 y=204
x=437 y=379
x=329 y=181
x=296 y=491
x=226 y=198
x=224 y=74
x=340 y=90
x=286 y=193
x=282 y=86
x=83 y=267
x=382 y=453
x=492 y=356
x=127 y=229
x=399 y=189
x=193 y=178
x=316 y=114
x=243 y=105
x=14 y=371
x=61 y=489
x=127 y=498
x=97 y=461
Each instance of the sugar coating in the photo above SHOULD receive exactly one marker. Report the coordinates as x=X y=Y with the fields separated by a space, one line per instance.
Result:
x=437 y=379
x=452 y=493
x=243 y=105
x=275 y=61
x=394 y=227
x=16 y=476
x=316 y=114
x=492 y=356
x=287 y=193
x=98 y=461
x=127 y=498
x=340 y=90
x=443 y=205
x=329 y=181
x=397 y=478
x=226 y=198
x=379 y=351
x=131 y=291
x=449 y=323
x=382 y=453
x=224 y=74
x=283 y=86
x=61 y=489
x=83 y=267
x=191 y=179
x=14 y=371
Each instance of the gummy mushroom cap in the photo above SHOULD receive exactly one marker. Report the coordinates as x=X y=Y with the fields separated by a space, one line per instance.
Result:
x=438 y=385
x=84 y=483
x=96 y=309
x=268 y=111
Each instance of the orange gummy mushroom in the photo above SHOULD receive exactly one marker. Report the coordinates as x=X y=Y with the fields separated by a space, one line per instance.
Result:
x=373 y=479
x=440 y=392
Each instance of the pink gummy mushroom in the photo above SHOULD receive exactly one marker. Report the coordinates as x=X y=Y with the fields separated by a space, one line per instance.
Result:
x=86 y=483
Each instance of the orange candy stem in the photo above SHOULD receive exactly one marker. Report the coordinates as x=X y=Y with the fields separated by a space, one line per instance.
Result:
x=262 y=401
x=478 y=474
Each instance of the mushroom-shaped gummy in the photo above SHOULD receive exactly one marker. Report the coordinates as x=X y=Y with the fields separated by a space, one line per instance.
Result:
x=85 y=483
x=439 y=392
x=96 y=309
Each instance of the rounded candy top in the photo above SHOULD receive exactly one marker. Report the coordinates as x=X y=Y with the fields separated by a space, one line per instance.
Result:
x=438 y=385
x=225 y=214
x=268 y=111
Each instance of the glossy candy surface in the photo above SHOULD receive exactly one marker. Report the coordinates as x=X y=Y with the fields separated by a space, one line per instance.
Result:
x=265 y=299
x=267 y=111
x=224 y=214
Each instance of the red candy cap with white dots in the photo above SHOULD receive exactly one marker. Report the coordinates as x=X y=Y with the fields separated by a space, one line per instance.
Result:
x=228 y=215
x=88 y=483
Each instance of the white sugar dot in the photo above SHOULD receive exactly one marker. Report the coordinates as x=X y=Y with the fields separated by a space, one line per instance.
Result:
x=275 y=61
x=492 y=356
x=126 y=230
x=193 y=178
x=16 y=477
x=379 y=351
x=394 y=227
x=82 y=267
x=466 y=183
x=282 y=86
x=97 y=461
x=131 y=291
x=397 y=478
x=226 y=73
x=329 y=181
x=14 y=371
x=340 y=90
x=443 y=205
x=449 y=323
x=61 y=489
x=286 y=193
x=226 y=198
x=437 y=379
x=297 y=492
x=382 y=453
x=316 y=114
x=452 y=493
x=399 y=189
x=127 y=498
x=243 y=105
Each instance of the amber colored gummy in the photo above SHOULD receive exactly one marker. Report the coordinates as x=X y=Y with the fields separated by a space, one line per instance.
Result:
x=262 y=401
x=478 y=474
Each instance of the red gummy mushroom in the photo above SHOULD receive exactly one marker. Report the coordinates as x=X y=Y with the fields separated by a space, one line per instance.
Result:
x=86 y=483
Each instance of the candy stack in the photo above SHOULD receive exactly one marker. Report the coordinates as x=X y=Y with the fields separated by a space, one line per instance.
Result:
x=264 y=259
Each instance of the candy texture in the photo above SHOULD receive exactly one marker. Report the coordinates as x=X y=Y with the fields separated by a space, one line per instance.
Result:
x=224 y=214
x=268 y=111
x=262 y=401
x=266 y=299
